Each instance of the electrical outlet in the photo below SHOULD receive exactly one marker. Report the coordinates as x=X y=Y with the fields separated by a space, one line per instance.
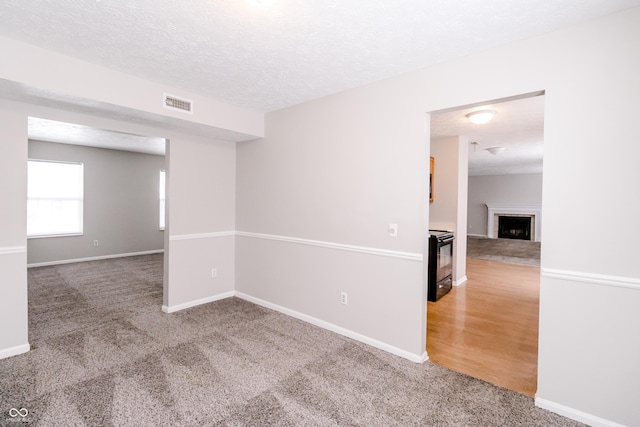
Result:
x=393 y=230
x=214 y=272
x=343 y=298
x=96 y=243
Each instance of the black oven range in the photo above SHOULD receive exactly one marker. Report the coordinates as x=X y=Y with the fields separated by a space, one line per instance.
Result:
x=440 y=264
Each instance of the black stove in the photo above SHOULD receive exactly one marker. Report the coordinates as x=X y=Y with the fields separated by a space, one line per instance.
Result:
x=441 y=234
x=440 y=264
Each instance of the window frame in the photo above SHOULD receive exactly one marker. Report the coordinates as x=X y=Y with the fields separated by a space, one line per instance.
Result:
x=80 y=217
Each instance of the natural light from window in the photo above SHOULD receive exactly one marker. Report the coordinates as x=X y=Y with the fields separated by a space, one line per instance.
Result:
x=55 y=198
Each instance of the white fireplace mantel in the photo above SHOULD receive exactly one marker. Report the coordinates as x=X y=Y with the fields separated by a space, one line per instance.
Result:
x=511 y=209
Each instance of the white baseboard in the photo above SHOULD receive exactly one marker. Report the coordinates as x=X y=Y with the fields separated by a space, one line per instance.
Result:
x=14 y=351
x=306 y=318
x=94 y=258
x=337 y=329
x=460 y=281
x=574 y=414
x=174 y=308
x=480 y=236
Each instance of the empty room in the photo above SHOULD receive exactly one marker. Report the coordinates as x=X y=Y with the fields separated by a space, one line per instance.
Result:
x=289 y=285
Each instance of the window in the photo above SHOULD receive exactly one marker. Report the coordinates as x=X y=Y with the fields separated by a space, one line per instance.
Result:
x=55 y=194
x=162 y=198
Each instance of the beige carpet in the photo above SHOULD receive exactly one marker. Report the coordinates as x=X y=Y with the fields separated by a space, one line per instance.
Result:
x=511 y=251
x=105 y=355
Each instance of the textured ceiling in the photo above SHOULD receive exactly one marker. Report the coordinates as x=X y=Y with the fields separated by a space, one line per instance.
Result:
x=267 y=58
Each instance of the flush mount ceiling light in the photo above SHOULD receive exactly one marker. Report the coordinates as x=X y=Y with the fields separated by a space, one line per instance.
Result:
x=496 y=150
x=481 y=117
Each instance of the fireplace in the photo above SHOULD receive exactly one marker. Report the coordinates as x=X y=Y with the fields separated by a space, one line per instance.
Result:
x=530 y=214
x=514 y=227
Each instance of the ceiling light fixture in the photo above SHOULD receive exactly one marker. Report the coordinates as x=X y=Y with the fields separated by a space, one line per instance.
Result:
x=496 y=150
x=481 y=117
x=475 y=145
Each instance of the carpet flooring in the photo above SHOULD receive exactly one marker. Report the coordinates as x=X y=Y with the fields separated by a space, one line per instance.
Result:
x=103 y=354
x=511 y=251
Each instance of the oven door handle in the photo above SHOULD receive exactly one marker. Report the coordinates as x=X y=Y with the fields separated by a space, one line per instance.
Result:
x=447 y=240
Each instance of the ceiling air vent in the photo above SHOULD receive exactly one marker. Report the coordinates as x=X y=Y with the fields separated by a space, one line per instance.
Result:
x=180 y=104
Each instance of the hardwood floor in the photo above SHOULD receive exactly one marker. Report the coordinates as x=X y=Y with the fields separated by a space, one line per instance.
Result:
x=488 y=327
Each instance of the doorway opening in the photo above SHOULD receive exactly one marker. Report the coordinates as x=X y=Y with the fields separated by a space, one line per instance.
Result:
x=487 y=326
x=120 y=207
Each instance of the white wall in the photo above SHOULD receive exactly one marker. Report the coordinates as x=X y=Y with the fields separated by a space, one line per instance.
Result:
x=338 y=171
x=202 y=220
x=460 y=259
x=443 y=211
x=523 y=189
x=13 y=226
x=448 y=211
x=340 y=168
x=121 y=204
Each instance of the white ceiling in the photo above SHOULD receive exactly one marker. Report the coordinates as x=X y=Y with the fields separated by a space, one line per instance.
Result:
x=518 y=126
x=69 y=133
x=268 y=58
